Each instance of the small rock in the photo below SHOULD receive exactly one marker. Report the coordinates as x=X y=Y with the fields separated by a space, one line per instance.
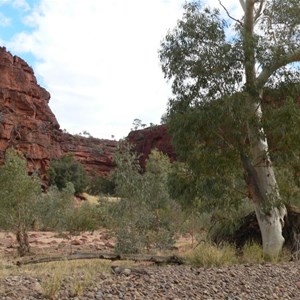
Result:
x=76 y=242
x=126 y=272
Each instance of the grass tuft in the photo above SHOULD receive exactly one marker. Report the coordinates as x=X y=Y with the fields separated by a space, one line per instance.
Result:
x=208 y=255
x=253 y=253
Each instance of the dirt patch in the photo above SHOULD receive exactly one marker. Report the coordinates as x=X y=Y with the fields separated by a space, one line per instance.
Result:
x=47 y=242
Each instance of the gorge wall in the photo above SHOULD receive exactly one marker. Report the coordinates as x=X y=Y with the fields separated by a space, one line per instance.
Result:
x=28 y=124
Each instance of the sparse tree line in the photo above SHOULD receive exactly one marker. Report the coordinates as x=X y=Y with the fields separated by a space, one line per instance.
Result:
x=220 y=71
x=142 y=217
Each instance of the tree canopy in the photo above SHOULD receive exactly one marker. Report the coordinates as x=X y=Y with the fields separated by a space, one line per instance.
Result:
x=222 y=70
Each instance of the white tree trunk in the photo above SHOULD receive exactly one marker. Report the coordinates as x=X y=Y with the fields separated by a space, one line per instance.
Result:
x=269 y=211
x=271 y=224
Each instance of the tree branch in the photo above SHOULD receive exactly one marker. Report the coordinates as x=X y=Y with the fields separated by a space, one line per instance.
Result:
x=268 y=71
x=248 y=45
x=243 y=5
x=258 y=13
x=228 y=14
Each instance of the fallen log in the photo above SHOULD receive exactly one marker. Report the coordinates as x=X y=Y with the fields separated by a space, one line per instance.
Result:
x=173 y=259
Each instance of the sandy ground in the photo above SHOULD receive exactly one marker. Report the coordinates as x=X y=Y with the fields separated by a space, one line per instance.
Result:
x=55 y=243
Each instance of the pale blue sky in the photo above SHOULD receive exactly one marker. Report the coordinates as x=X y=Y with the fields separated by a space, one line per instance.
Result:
x=97 y=58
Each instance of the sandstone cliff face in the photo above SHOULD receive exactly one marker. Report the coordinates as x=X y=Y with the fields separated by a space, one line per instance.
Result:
x=96 y=155
x=26 y=121
x=28 y=124
x=155 y=137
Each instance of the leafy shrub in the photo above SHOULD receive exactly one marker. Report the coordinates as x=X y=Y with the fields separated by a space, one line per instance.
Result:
x=56 y=210
x=83 y=218
x=66 y=169
x=54 y=207
x=146 y=216
x=101 y=186
x=129 y=240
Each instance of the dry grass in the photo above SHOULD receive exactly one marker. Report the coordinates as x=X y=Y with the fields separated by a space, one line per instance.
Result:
x=209 y=255
x=252 y=253
x=52 y=274
x=93 y=200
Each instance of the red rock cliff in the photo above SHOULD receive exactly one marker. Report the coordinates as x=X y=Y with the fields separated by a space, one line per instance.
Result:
x=28 y=124
x=154 y=137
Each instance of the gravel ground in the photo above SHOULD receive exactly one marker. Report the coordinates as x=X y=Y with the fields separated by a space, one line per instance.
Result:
x=267 y=281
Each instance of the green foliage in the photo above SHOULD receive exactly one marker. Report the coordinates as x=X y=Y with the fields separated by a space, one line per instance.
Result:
x=196 y=56
x=146 y=216
x=288 y=182
x=101 y=186
x=83 y=218
x=18 y=195
x=211 y=117
x=282 y=122
x=66 y=169
x=18 y=192
x=57 y=210
x=55 y=207
x=223 y=225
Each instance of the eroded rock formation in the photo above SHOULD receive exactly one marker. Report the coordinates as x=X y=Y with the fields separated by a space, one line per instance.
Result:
x=154 y=137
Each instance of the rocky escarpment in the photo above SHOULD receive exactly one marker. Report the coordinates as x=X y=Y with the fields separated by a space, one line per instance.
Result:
x=28 y=124
x=154 y=137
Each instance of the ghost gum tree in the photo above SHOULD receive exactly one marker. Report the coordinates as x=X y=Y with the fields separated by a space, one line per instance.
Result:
x=220 y=69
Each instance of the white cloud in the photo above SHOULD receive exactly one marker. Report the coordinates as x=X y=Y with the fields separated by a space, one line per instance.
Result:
x=99 y=60
x=21 y=4
x=2 y=2
x=4 y=21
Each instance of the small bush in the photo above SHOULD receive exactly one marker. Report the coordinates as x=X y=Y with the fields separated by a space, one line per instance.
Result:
x=83 y=218
x=130 y=240
x=209 y=255
x=67 y=169
x=54 y=207
x=101 y=186
x=57 y=210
